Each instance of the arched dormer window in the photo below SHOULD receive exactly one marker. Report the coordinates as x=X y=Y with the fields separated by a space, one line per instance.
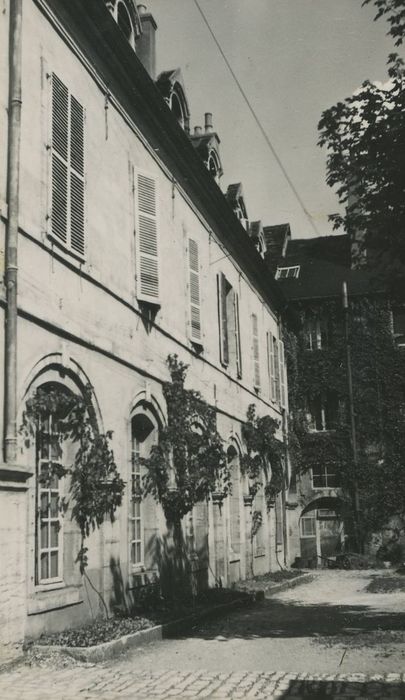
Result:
x=213 y=166
x=126 y=15
x=176 y=108
x=124 y=22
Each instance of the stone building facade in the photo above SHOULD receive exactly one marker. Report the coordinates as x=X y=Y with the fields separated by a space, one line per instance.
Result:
x=128 y=251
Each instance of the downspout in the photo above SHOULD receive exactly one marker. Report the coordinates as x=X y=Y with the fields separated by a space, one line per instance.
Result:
x=13 y=187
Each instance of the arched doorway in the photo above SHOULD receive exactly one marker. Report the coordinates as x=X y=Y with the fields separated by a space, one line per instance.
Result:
x=322 y=531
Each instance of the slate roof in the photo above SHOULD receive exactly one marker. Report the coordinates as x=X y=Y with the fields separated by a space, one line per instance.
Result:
x=324 y=266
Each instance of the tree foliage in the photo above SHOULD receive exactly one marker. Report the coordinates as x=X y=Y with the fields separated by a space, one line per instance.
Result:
x=394 y=12
x=365 y=139
x=189 y=462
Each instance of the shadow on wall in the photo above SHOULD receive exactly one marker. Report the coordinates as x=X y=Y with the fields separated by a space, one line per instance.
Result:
x=176 y=573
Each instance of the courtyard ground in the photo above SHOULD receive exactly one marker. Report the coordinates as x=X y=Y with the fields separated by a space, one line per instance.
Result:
x=327 y=638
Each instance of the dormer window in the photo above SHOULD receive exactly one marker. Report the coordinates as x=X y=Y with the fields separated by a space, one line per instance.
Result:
x=124 y=22
x=213 y=166
x=126 y=15
x=284 y=272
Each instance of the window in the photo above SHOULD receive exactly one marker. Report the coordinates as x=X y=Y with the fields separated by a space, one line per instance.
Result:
x=398 y=323
x=283 y=392
x=323 y=412
x=229 y=328
x=124 y=22
x=147 y=260
x=315 y=332
x=258 y=518
x=141 y=517
x=324 y=477
x=308 y=526
x=284 y=272
x=67 y=169
x=48 y=492
x=234 y=504
x=194 y=292
x=135 y=517
x=256 y=354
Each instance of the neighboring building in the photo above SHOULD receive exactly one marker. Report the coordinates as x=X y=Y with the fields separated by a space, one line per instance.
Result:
x=311 y=273
x=128 y=251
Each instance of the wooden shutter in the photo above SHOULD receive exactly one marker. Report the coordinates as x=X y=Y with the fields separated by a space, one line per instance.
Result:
x=222 y=319
x=237 y=336
x=60 y=160
x=271 y=365
x=276 y=370
x=147 y=240
x=282 y=374
x=76 y=176
x=256 y=355
x=67 y=218
x=195 y=291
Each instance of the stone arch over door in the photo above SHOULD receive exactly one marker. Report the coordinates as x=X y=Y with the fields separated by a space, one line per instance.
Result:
x=322 y=530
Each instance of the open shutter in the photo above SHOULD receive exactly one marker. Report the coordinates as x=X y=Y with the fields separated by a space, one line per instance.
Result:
x=270 y=364
x=60 y=160
x=256 y=356
x=276 y=370
x=222 y=319
x=76 y=176
x=67 y=218
x=147 y=240
x=237 y=337
x=282 y=374
x=195 y=291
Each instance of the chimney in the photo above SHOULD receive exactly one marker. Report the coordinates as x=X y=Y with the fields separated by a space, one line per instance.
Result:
x=146 y=42
x=197 y=131
x=208 y=123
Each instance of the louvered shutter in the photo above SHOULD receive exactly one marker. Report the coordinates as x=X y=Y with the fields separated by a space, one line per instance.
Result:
x=222 y=319
x=270 y=363
x=76 y=176
x=195 y=291
x=256 y=355
x=276 y=370
x=282 y=374
x=60 y=160
x=67 y=217
x=237 y=337
x=147 y=240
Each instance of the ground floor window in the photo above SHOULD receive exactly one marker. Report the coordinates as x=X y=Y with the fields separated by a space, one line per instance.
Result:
x=49 y=556
x=308 y=525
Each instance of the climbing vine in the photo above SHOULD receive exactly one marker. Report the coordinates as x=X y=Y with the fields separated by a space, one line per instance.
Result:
x=263 y=458
x=378 y=371
x=53 y=416
x=189 y=462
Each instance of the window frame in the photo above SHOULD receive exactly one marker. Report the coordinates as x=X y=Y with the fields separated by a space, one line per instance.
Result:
x=141 y=295
x=295 y=272
x=306 y=518
x=324 y=476
x=135 y=477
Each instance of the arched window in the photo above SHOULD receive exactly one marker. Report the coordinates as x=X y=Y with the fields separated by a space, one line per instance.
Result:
x=51 y=455
x=213 y=166
x=234 y=504
x=176 y=108
x=143 y=436
x=124 y=22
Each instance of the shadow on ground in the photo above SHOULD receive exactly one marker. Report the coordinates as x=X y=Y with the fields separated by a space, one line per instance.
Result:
x=327 y=690
x=274 y=618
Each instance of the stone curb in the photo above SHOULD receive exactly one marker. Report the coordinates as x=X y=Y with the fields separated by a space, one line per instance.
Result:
x=109 y=650
x=268 y=590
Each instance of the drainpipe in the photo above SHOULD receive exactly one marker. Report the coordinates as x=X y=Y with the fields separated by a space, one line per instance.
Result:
x=13 y=176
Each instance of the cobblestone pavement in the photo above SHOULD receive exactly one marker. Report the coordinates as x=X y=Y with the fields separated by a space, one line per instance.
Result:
x=84 y=682
x=326 y=639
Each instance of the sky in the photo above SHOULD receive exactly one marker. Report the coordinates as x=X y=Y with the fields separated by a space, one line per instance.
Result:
x=294 y=59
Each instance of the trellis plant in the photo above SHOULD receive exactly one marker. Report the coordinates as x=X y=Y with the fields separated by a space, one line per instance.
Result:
x=263 y=457
x=189 y=462
x=95 y=486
